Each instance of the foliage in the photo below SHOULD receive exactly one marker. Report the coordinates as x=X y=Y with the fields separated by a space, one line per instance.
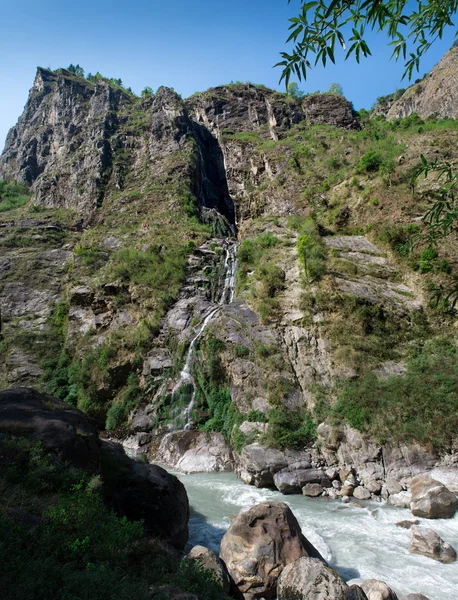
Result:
x=321 y=26
x=336 y=88
x=420 y=406
x=292 y=89
x=370 y=162
x=289 y=428
x=13 y=195
x=79 y=548
x=310 y=250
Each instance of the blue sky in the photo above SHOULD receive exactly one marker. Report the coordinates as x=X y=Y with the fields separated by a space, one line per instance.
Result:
x=186 y=44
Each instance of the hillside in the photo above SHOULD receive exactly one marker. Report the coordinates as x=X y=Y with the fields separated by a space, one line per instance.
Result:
x=114 y=253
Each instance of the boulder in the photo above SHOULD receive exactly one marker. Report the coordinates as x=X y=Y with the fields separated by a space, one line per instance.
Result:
x=373 y=486
x=257 y=465
x=377 y=590
x=401 y=499
x=195 y=452
x=64 y=430
x=426 y=542
x=210 y=562
x=431 y=499
x=448 y=476
x=310 y=578
x=407 y=524
x=139 y=490
x=361 y=493
x=312 y=489
x=259 y=544
x=292 y=482
x=355 y=592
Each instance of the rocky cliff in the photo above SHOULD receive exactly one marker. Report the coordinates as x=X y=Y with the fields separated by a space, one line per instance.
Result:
x=111 y=268
x=435 y=95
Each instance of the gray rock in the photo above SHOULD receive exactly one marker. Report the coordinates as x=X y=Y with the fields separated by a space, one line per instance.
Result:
x=431 y=499
x=195 y=452
x=374 y=487
x=313 y=490
x=414 y=597
x=310 y=578
x=401 y=499
x=426 y=542
x=407 y=524
x=257 y=465
x=361 y=493
x=377 y=590
x=64 y=430
x=259 y=544
x=448 y=476
x=210 y=562
x=142 y=491
x=249 y=428
x=292 y=482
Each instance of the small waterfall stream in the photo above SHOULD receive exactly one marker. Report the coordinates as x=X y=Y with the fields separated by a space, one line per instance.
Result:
x=182 y=417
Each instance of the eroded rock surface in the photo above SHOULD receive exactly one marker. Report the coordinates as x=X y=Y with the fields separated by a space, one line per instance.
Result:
x=431 y=499
x=426 y=542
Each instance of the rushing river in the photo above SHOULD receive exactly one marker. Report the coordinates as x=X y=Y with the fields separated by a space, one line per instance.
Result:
x=357 y=542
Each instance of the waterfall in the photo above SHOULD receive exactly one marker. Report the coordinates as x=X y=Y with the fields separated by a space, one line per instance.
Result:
x=186 y=384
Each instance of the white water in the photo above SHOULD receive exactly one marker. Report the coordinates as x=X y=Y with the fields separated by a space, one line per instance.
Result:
x=358 y=542
x=183 y=418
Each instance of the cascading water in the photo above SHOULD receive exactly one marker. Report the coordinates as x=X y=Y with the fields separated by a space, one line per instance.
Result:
x=185 y=387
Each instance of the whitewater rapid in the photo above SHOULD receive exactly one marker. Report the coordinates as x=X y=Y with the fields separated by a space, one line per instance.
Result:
x=357 y=542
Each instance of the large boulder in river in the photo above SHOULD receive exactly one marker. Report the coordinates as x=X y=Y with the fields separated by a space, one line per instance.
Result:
x=143 y=491
x=426 y=542
x=431 y=499
x=62 y=429
x=309 y=578
x=377 y=590
x=258 y=464
x=195 y=452
x=292 y=482
x=259 y=544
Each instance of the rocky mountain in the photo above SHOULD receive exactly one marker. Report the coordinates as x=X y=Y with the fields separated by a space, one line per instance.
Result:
x=116 y=265
x=435 y=95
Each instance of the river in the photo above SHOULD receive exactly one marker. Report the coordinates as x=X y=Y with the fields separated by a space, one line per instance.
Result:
x=357 y=542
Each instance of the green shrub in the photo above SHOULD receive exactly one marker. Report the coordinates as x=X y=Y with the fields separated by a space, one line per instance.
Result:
x=13 y=195
x=370 y=162
x=421 y=406
x=289 y=428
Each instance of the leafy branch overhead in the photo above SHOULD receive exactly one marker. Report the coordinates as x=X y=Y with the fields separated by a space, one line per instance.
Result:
x=322 y=27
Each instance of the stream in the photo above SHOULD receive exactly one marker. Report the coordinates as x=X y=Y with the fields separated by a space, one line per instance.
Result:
x=357 y=542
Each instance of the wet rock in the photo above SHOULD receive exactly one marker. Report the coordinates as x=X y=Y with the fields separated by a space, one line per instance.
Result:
x=195 y=452
x=355 y=592
x=401 y=499
x=157 y=361
x=292 y=482
x=257 y=465
x=377 y=590
x=312 y=489
x=139 y=490
x=64 y=430
x=431 y=499
x=448 y=476
x=426 y=542
x=310 y=578
x=407 y=524
x=210 y=562
x=259 y=544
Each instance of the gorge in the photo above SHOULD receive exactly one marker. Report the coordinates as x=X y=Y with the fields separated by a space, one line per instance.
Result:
x=227 y=283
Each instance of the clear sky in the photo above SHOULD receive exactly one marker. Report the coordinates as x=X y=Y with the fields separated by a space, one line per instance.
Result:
x=189 y=45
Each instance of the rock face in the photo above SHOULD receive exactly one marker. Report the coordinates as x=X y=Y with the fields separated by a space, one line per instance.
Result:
x=436 y=94
x=377 y=590
x=210 y=562
x=431 y=499
x=64 y=430
x=329 y=108
x=259 y=544
x=426 y=542
x=142 y=491
x=195 y=452
x=311 y=578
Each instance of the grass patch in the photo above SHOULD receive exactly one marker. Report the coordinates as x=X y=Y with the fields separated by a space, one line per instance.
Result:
x=13 y=195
